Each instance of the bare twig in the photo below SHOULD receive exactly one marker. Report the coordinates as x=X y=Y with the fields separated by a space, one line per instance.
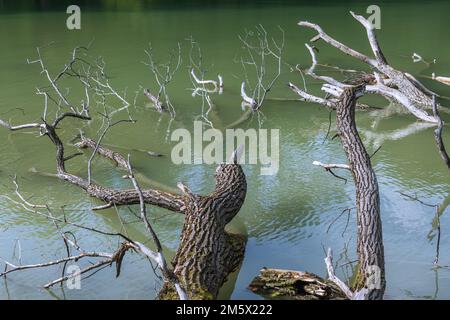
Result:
x=438 y=134
x=438 y=212
x=158 y=256
x=163 y=74
x=328 y=166
x=260 y=49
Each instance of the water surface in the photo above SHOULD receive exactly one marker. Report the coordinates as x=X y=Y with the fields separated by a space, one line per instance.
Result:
x=287 y=216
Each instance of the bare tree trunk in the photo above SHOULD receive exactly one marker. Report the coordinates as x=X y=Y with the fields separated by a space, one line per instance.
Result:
x=207 y=253
x=370 y=274
x=392 y=84
x=370 y=241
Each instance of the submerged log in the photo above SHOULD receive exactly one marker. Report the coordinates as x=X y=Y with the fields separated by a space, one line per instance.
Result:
x=294 y=285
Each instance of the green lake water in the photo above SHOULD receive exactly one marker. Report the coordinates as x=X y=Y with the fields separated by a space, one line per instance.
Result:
x=286 y=216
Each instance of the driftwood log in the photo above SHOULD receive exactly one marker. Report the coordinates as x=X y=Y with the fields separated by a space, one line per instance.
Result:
x=294 y=285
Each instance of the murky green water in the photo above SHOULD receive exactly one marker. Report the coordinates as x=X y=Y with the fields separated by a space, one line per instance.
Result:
x=286 y=216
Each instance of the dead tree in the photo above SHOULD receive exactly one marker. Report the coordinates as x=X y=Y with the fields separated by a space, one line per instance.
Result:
x=203 y=87
x=207 y=253
x=435 y=231
x=396 y=86
x=260 y=50
x=343 y=99
x=72 y=244
x=369 y=242
x=163 y=74
x=204 y=243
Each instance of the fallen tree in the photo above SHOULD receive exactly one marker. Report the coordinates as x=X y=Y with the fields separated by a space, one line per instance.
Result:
x=204 y=243
x=207 y=253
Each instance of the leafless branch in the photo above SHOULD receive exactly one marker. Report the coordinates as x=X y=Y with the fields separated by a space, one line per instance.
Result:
x=311 y=98
x=391 y=83
x=438 y=134
x=109 y=258
x=8 y=126
x=203 y=87
x=260 y=51
x=328 y=166
x=331 y=275
x=163 y=74
x=158 y=256
x=438 y=212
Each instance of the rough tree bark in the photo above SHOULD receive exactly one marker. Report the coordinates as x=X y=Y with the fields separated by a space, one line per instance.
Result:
x=438 y=135
x=207 y=253
x=370 y=275
x=370 y=240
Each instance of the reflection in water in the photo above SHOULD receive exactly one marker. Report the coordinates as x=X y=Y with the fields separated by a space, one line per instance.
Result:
x=377 y=139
